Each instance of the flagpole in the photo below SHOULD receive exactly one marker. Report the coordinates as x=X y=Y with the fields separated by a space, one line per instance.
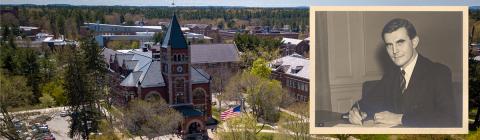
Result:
x=242 y=104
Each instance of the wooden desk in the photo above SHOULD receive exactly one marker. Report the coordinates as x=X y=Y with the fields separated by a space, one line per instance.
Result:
x=325 y=118
x=334 y=119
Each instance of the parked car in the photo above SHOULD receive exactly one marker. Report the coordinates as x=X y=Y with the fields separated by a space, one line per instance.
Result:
x=63 y=113
x=49 y=136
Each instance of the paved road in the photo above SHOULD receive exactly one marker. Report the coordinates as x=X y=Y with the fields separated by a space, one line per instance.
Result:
x=59 y=127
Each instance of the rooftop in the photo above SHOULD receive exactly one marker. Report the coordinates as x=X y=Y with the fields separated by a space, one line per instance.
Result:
x=294 y=65
x=146 y=72
x=213 y=53
x=291 y=41
x=174 y=34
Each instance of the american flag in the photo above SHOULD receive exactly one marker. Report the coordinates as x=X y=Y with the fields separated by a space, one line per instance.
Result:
x=230 y=113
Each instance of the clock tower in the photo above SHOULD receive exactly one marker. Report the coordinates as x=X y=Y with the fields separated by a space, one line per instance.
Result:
x=175 y=64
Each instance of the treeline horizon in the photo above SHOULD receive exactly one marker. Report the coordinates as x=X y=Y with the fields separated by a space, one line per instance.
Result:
x=55 y=18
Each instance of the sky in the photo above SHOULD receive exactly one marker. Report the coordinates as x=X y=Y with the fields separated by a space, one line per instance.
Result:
x=247 y=3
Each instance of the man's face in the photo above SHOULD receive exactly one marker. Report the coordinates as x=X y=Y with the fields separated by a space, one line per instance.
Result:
x=400 y=47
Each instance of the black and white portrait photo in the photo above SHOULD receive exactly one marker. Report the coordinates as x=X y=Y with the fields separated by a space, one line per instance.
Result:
x=389 y=70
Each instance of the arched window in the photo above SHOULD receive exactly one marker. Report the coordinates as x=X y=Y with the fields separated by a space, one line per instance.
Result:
x=179 y=83
x=152 y=96
x=199 y=94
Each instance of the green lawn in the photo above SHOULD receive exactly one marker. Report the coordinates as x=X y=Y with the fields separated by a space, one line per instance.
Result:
x=265 y=136
x=283 y=114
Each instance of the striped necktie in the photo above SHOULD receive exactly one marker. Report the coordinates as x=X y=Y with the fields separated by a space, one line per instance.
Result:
x=403 y=83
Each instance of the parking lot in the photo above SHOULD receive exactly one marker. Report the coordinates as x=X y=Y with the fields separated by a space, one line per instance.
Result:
x=45 y=124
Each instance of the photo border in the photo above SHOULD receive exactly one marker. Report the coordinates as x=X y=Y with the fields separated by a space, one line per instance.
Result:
x=369 y=130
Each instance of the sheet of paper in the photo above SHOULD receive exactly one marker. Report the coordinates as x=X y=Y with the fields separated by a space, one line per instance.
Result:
x=368 y=123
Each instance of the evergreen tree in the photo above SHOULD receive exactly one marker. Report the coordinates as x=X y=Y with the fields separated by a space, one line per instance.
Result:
x=122 y=18
x=32 y=72
x=6 y=57
x=96 y=68
x=7 y=50
x=85 y=116
x=158 y=37
x=25 y=60
x=60 y=25
x=5 y=33
x=53 y=26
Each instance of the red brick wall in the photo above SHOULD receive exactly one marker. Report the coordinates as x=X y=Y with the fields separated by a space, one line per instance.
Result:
x=162 y=90
x=282 y=77
x=208 y=98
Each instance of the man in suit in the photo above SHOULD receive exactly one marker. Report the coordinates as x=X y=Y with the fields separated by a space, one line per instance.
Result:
x=415 y=93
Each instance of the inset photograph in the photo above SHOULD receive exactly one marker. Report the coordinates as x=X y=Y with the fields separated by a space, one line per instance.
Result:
x=389 y=70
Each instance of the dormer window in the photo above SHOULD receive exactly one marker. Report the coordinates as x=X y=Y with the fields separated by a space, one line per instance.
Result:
x=296 y=69
x=277 y=64
x=283 y=68
x=156 y=56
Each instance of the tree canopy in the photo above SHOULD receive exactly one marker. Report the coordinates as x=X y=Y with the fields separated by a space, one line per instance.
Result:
x=14 y=92
x=151 y=118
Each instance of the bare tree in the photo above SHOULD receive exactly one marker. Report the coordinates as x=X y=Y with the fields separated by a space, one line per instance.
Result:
x=219 y=82
x=295 y=126
x=151 y=118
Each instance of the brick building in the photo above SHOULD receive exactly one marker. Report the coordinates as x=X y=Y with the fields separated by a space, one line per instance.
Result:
x=291 y=46
x=292 y=72
x=165 y=71
x=221 y=61
x=199 y=28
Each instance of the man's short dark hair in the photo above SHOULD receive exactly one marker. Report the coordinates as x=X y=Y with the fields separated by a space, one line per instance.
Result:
x=398 y=23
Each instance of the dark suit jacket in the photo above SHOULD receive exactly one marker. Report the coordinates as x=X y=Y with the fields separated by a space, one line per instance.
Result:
x=427 y=102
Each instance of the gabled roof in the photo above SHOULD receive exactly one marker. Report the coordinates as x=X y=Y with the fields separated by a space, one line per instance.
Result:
x=214 y=53
x=147 y=72
x=132 y=79
x=142 y=59
x=122 y=56
x=130 y=64
x=174 y=36
x=107 y=53
x=152 y=77
x=199 y=76
x=294 y=65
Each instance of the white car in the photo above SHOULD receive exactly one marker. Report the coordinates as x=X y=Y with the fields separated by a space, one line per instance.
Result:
x=63 y=113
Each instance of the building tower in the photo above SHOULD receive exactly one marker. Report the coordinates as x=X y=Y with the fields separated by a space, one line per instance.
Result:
x=174 y=53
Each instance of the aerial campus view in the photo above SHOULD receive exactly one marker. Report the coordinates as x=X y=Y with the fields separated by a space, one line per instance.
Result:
x=162 y=71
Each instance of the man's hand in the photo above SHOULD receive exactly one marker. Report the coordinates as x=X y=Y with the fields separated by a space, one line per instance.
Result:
x=387 y=117
x=355 y=117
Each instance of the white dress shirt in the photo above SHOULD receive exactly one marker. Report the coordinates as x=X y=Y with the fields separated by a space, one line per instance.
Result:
x=409 y=70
